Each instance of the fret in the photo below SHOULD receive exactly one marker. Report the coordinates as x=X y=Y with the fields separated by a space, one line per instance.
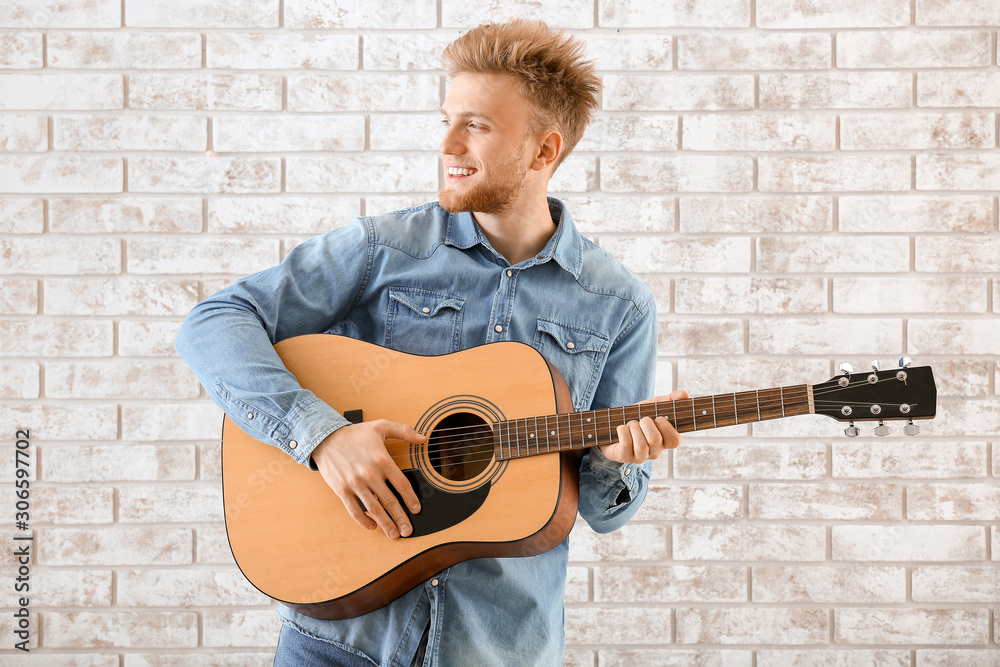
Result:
x=781 y=392
x=736 y=410
x=758 y=405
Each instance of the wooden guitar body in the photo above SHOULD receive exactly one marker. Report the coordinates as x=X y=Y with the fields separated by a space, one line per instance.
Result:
x=291 y=535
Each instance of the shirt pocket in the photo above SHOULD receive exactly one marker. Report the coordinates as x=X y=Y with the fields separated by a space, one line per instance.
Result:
x=423 y=322
x=577 y=352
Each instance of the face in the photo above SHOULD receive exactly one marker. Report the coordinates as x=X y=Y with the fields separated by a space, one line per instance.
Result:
x=484 y=145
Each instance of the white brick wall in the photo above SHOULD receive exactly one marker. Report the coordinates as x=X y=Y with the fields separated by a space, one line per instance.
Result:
x=801 y=182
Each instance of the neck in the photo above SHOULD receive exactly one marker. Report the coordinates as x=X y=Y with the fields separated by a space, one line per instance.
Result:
x=520 y=232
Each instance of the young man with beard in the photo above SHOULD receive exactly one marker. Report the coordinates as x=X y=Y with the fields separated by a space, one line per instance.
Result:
x=494 y=259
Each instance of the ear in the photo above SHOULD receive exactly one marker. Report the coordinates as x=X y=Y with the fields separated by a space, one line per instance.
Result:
x=549 y=149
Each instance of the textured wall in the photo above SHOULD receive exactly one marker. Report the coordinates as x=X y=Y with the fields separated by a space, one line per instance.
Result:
x=802 y=182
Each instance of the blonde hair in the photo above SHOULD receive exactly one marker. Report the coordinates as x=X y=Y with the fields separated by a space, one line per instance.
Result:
x=547 y=68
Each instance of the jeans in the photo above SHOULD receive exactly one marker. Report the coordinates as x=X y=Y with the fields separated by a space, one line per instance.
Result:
x=296 y=649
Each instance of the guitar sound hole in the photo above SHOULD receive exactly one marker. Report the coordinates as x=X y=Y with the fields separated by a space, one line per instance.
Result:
x=461 y=446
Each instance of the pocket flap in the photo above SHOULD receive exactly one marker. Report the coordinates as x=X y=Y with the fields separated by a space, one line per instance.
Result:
x=573 y=340
x=425 y=303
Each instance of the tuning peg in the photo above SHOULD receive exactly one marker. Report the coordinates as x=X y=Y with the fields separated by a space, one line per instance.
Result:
x=904 y=362
x=852 y=431
x=911 y=428
x=875 y=365
x=846 y=368
x=882 y=430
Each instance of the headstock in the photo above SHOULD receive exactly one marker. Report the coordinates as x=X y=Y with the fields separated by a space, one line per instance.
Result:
x=903 y=393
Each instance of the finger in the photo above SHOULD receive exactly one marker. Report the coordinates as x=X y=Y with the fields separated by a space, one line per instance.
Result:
x=357 y=512
x=640 y=448
x=405 y=489
x=395 y=511
x=379 y=513
x=671 y=438
x=390 y=429
x=652 y=436
x=623 y=448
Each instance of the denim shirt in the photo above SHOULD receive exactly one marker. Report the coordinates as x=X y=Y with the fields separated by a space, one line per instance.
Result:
x=428 y=282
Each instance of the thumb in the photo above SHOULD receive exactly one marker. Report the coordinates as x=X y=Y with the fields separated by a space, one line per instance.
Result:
x=405 y=432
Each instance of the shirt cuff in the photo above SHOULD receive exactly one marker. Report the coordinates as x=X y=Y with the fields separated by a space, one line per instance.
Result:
x=612 y=472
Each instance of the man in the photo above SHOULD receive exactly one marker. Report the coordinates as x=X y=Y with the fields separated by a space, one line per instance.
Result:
x=493 y=260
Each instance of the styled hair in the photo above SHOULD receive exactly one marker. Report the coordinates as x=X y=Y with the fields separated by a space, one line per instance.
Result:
x=547 y=68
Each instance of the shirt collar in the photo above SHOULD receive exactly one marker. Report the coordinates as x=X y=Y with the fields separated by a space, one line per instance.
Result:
x=565 y=246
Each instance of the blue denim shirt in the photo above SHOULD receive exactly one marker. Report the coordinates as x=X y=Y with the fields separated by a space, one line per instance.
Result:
x=426 y=281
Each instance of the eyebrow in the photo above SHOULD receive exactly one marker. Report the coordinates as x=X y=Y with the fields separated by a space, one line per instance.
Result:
x=471 y=114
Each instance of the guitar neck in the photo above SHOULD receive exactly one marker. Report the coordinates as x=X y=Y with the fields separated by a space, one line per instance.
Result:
x=545 y=434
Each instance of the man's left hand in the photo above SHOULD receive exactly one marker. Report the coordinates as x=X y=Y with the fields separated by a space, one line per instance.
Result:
x=639 y=441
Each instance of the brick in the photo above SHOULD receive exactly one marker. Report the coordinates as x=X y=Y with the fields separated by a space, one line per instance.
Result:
x=147 y=629
x=818 y=336
x=364 y=172
x=119 y=463
x=212 y=91
x=670 y=584
x=210 y=461
x=909 y=543
x=703 y=377
x=120 y=380
x=324 y=14
x=20 y=380
x=959 y=377
x=960 y=416
x=190 y=421
x=9 y=624
x=22 y=216
x=834 y=173
x=186 y=588
x=958 y=89
x=28 y=14
x=630 y=132
x=678 y=92
x=953 y=502
x=913 y=49
x=953 y=336
x=406 y=51
x=564 y=13
x=130 y=133
x=948 y=583
x=692 y=502
x=24 y=134
x=363 y=92
x=836 y=501
x=115 y=546
x=826 y=254
x=603 y=214
x=916 y=131
x=57 y=505
x=685 y=337
x=946 y=657
x=577 y=585
x=754 y=51
x=35 y=338
x=212 y=546
x=404 y=132
x=204 y=175
x=201 y=14
x=980 y=171
x=909 y=295
x=770 y=625
x=633 y=542
x=174 y=504
x=797 y=213
x=918 y=460
x=942 y=254
x=56 y=255
x=757 y=133
x=630 y=51
x=911 y=626
x=832 y=658
x=263 y=50
x=730 y=295
x=125 y=215
x=124 y=50
x=674 y=657
x=21 y=50
x=915 y=213
x=828 y=14
x=638 y=14
x=677 y=173
x=635 y=625
x=995 y=536
x=233 y=134
x=215 y=255
x=577 y=174
x=950 y=13
x=836 y=90
x=91 y=422
x=295 y=215
x=61 y=174
x=198 y=660
x=116 y=297
x=375 y=204
x=73 y=588
x=61 y=91
x=828 y=585
x=18 y=296
x=749 y=542
x=240 y=628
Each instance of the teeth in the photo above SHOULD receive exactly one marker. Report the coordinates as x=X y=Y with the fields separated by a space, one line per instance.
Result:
x=458 y=171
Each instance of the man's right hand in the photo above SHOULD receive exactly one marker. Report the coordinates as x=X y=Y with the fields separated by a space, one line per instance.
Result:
x=355 y=463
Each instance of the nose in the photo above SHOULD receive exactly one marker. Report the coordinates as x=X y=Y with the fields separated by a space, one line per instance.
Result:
x=450 y=143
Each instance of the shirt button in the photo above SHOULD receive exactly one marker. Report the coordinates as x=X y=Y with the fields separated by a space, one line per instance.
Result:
x=498 y=329
x=249 y=415
x=570 y=345
x=509 y=273
x=434 y=582
x=425 y=310
x=292 y=444
x=539 y=257
x=628 y=471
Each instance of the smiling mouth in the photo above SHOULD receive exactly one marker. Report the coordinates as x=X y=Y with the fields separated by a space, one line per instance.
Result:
x=460 y=171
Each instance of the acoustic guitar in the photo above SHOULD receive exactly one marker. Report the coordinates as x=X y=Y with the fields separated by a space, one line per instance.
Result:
x=497 y=476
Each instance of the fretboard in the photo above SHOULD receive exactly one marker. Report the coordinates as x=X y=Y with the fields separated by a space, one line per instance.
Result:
x=545 y=434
